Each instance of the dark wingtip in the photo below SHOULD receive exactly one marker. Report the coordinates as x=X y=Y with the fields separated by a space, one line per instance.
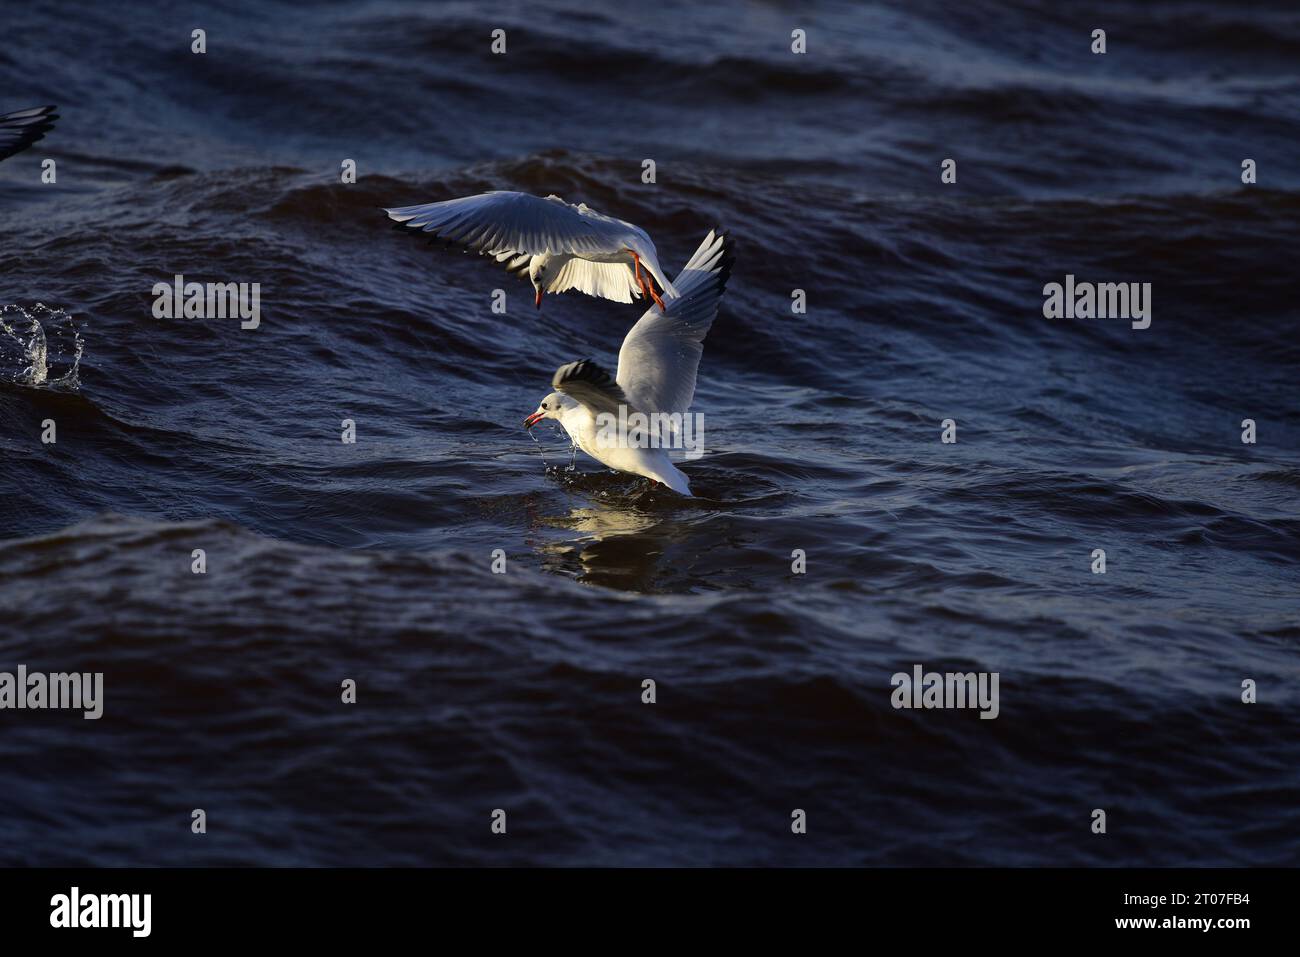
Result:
x=582 y=370
x=31 y=129
x=728 y=255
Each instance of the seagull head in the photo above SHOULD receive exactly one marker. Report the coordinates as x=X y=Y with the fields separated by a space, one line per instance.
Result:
x=538 y=276
x=553 y=407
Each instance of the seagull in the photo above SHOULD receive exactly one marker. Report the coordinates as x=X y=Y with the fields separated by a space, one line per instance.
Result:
x=20 y=130
x=656 y=374
x=560 y=246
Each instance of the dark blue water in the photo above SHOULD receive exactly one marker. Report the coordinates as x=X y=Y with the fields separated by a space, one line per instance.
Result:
x=522 y=691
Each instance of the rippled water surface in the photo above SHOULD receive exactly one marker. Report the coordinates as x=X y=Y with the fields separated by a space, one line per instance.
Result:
x=522 y=690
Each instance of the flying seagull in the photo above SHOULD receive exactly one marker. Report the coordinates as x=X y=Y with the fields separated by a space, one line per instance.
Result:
x=20 y=130
x=656 y=374
x=558 y=245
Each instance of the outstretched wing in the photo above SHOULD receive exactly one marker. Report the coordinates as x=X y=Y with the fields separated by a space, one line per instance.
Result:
x=591 y=385
x=20 y=130
x=505 y=221
x=614 y=281
x=660 y=356
x=512 y=226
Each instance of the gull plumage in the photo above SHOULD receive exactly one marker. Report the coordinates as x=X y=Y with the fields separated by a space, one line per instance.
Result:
x=557 y=245
x=657 y=368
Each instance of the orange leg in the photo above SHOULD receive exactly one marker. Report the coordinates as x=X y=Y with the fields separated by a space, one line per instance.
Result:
x=636 y=270
x=647 y=286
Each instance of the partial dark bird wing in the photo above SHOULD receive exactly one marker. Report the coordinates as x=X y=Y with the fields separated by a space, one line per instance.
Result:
x=591 y=385
x=20 y=130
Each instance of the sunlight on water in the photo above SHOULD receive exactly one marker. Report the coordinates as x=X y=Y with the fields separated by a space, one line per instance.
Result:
x=25 y=357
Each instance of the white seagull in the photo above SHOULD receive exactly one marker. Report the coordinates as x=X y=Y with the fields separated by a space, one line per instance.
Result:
x=20 y=130
x=559 y=245
x=656 y=374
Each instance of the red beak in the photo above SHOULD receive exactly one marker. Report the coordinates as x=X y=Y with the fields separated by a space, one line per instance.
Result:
x=539 y=299
x=535 y=417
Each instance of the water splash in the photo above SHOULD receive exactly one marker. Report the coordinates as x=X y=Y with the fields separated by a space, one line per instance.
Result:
x=540 y=451
x=558 y=468
x=26 y=335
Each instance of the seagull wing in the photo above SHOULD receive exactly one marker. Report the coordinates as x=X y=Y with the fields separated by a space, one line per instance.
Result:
x=20 y=130
x=511 y=225
x=591 y=385
x=607 y=280
x=498 y=221
x=661 y=353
